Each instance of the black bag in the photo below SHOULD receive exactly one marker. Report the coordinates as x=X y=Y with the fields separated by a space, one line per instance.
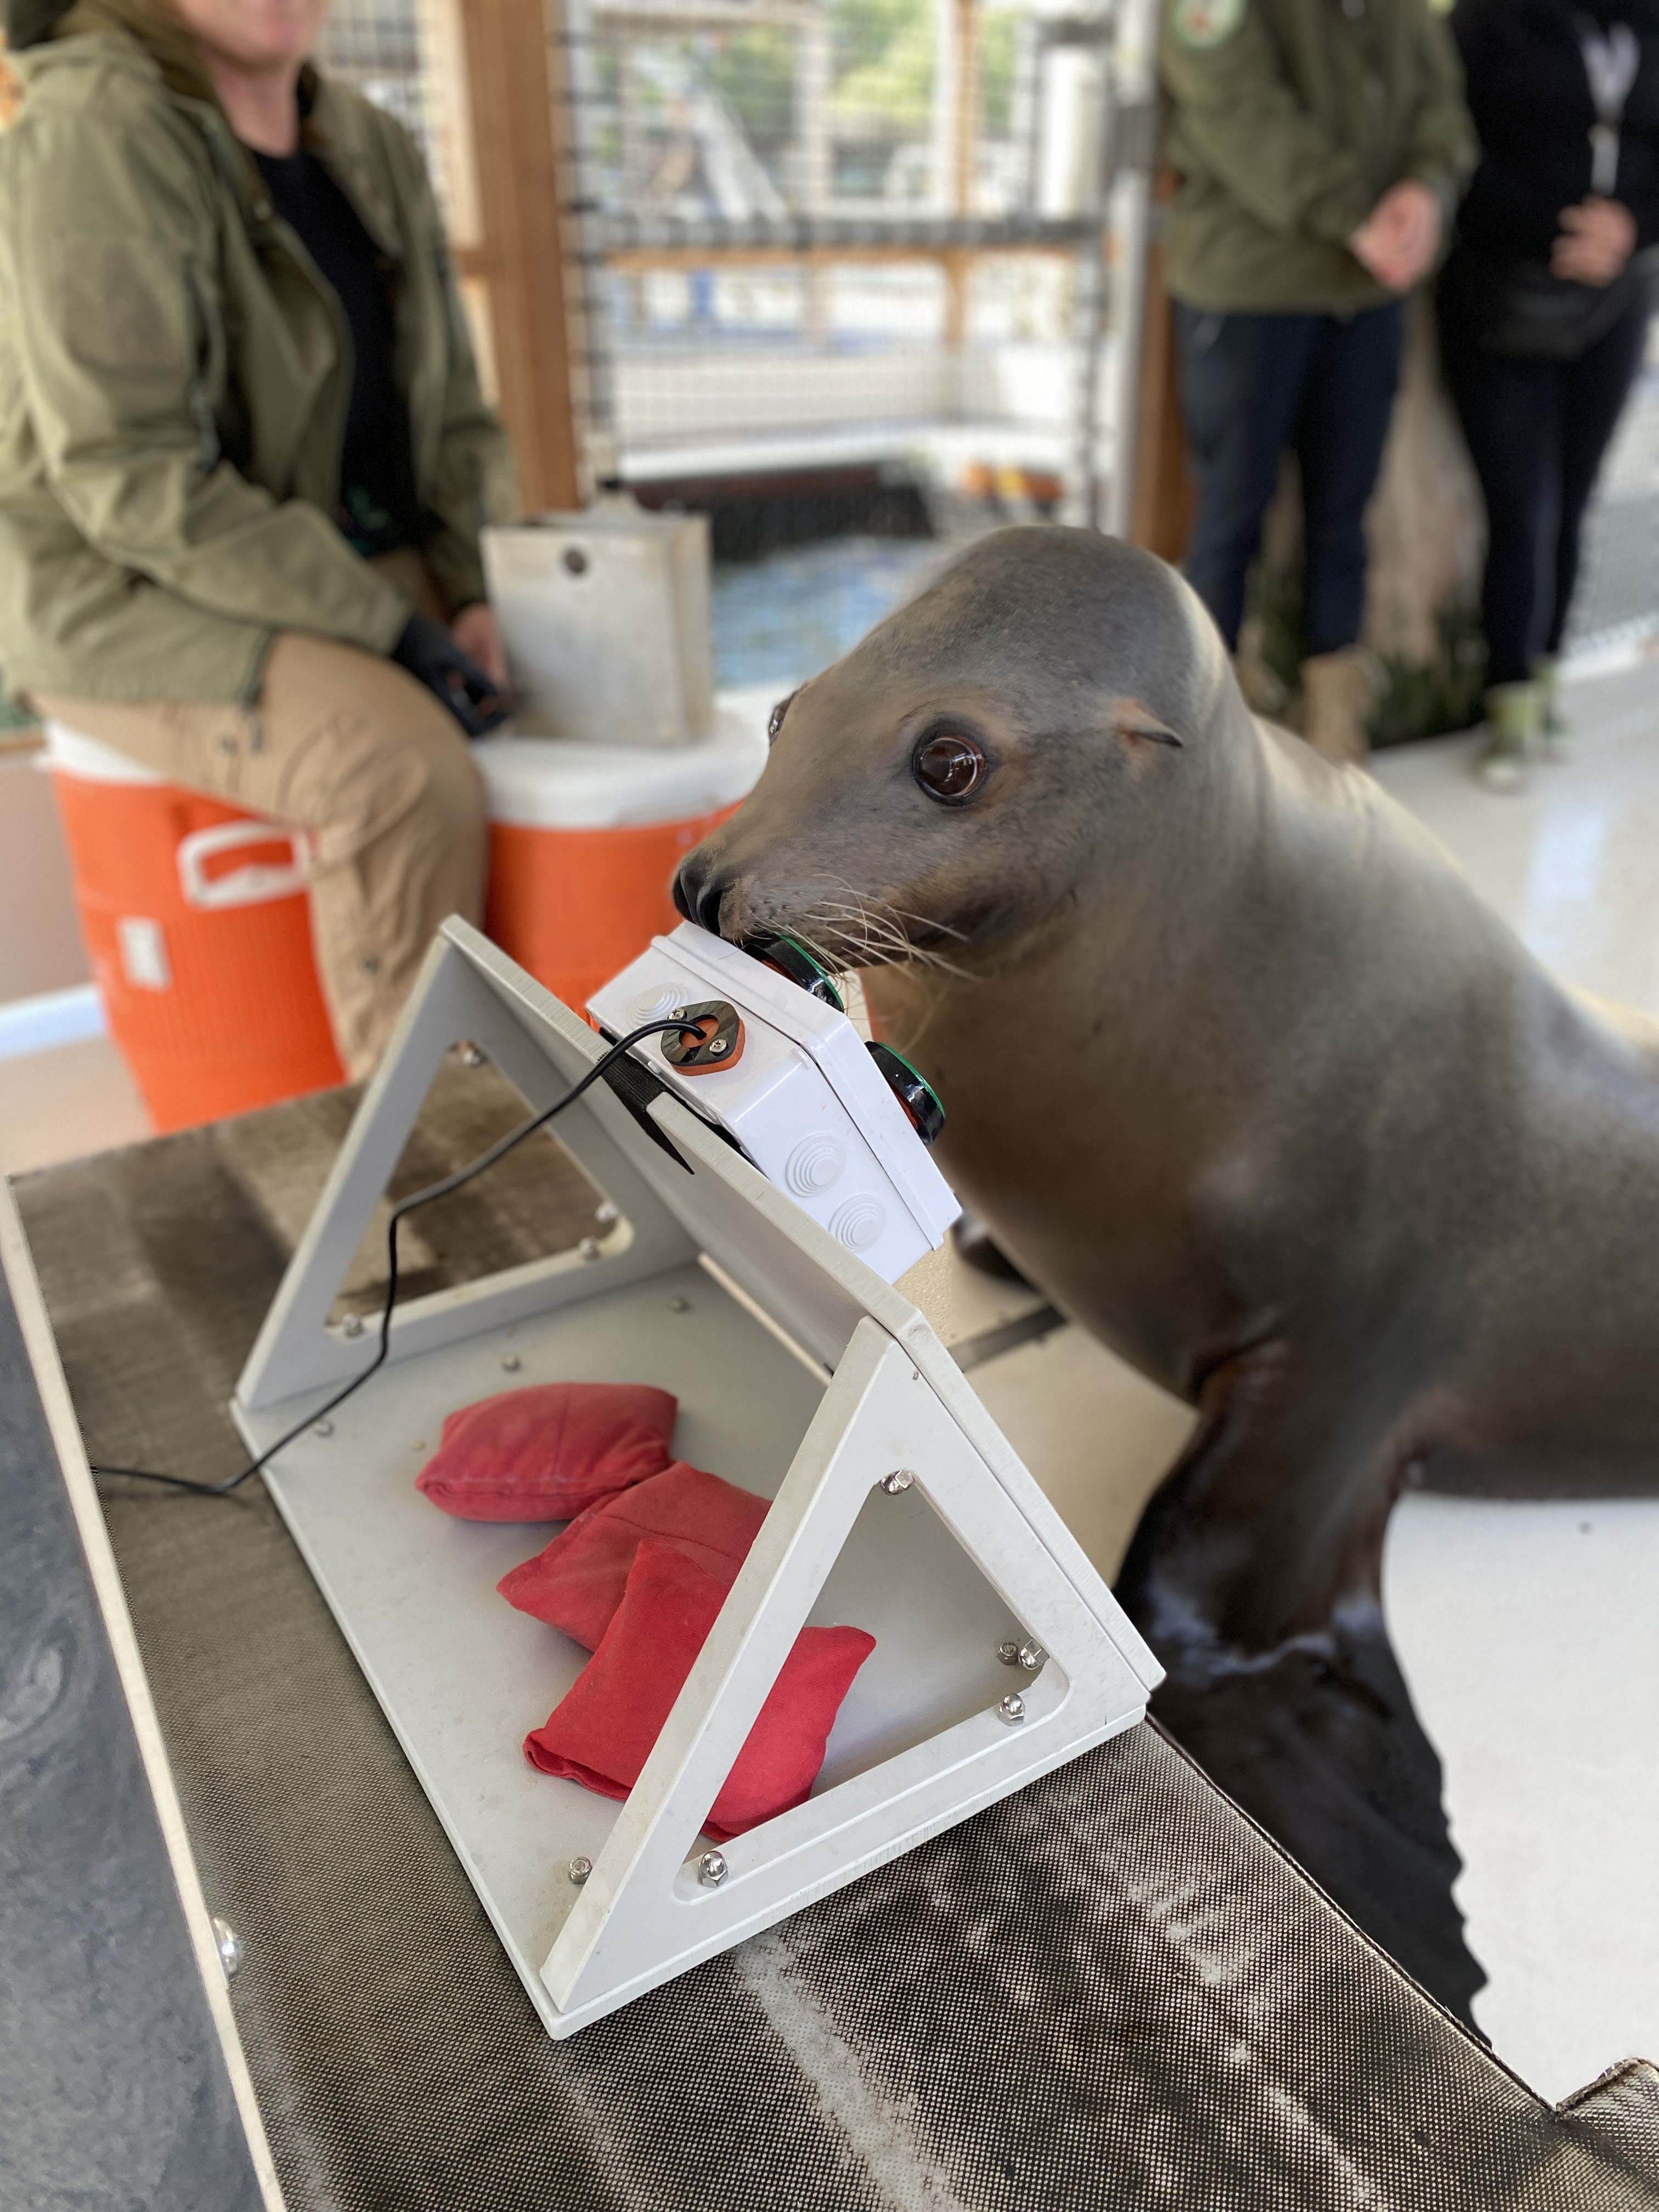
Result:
x=1525 y=313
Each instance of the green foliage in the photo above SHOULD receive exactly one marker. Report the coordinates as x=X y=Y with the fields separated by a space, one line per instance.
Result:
x=754 y=70
x=1420 y=699
x=997 y=36
x=883 y=61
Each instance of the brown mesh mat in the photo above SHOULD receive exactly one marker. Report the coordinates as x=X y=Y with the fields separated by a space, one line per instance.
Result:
x=1110 y=1991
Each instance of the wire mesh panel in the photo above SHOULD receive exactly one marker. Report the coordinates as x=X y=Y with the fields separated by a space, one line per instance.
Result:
x=382 y=48
x=826 y=233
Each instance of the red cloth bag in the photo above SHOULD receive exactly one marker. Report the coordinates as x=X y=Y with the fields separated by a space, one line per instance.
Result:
x=602 y=1731
x=547 y=1452
x=576 y=1584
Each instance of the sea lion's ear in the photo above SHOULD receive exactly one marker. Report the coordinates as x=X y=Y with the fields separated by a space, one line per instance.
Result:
x=1140 y=725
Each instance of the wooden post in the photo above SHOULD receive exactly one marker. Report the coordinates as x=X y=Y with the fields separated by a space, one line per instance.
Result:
x=962 y=83
x=515 y=84
x=1163 y=513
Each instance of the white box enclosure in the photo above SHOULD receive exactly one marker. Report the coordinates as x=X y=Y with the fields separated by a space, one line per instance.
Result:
x=802 y=1376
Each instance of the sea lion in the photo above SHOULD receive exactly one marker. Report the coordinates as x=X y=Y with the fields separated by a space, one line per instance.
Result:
x=1242 y=1071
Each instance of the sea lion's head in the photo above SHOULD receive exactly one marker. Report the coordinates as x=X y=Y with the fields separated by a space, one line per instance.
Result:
x=982 y=761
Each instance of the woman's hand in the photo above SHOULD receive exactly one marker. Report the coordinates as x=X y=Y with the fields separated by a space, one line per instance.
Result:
x=1401 y=236
x=1596 y=240
x=477 y=634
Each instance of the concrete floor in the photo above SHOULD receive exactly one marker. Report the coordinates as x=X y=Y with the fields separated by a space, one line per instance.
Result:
x=1529 y=1633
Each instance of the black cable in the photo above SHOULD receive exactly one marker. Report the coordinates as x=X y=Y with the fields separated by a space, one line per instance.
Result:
x=442 y=1188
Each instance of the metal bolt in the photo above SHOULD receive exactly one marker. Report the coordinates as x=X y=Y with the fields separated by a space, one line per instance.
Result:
x=1008 y=1652
x=607 y=1213
x=900 y=1478
x=511 y=1362
x=323 y=1429
x=717 y=1047
x=579 y=1870
x=712 y=1870
x=1012 y=1709
x=589 y=1248
x=1031 y=1657
x=471 y=1056
x=352 y=1325
x=228 y=1945
x=679 y=1305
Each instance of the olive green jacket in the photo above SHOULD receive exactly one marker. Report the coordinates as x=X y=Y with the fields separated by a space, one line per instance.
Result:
x=1287 y=120
x=174 y=376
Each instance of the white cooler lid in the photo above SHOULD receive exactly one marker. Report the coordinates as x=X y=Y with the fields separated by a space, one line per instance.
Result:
x=68 y=753
x=556 y=783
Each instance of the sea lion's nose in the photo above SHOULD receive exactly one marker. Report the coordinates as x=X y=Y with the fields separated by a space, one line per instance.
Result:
x=698 y=893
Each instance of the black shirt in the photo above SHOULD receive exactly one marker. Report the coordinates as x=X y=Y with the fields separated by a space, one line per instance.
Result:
x=1529 y=95
x=378 y=509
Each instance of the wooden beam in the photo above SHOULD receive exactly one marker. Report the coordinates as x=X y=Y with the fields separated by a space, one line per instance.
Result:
x=514 y=85
x=780 y=257
x=1163 y=515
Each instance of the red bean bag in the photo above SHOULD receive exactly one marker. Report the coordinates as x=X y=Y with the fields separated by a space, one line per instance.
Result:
x=577 y=1583
x=546 y=1453
x=602 y=1731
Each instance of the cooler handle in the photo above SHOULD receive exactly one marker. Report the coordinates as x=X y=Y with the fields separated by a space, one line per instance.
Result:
x=249 y=886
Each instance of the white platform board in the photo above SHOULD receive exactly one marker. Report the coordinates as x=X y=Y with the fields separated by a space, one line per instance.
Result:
x=921 y=1739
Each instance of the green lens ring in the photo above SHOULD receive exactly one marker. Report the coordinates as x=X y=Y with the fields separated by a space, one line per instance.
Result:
x=793 y=959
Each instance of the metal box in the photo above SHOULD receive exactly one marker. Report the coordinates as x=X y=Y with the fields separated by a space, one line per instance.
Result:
x=605 y=618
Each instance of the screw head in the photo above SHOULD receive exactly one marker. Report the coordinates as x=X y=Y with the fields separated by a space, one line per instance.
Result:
x=511 y=1362
x=471 y=1056
x=352 y=1325
x=712 y=1870
x=1012 y=1709
x=900 y=1478
x=322 y=1428
x=1032 y=1656
x=607 y=1213
x=589 y=1248
x=679 y=1305
x=228 y=1945
x=579 y=1870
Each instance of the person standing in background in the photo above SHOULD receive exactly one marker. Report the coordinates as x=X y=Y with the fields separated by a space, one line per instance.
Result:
x=1544 y=308
x=1321 y=146
x=244 y=457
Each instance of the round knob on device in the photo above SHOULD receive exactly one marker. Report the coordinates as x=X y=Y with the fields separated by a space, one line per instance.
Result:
x=791 y=958
x=918 y=1096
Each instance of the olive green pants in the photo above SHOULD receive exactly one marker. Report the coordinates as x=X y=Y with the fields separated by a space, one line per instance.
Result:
x=348 y=748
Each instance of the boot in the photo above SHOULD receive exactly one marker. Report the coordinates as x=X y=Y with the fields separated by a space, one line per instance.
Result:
x=1515 y=719
x=1339 y=691
x=1553 y=723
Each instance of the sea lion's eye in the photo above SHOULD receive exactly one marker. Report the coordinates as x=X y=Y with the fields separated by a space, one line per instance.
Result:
x=775 y=720
x=949 y=768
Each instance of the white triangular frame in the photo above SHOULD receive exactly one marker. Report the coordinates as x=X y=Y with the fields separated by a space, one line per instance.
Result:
x=895 y=1402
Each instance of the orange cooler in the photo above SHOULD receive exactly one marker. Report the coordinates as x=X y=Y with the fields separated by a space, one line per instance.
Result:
x=198 y=928
x=584 y=840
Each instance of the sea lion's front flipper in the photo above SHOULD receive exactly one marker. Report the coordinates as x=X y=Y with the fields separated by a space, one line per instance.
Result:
x=1324 y=1750
x=1255 y=1574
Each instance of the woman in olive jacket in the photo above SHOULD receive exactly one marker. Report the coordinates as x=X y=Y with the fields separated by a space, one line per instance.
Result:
x=1545 y=306
x=243 y=456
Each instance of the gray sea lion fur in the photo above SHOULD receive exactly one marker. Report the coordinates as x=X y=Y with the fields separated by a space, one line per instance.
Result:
x=1242 y=1071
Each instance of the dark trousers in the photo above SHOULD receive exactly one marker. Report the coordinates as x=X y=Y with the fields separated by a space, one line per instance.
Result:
x=1252 y=387
x=1537 y=431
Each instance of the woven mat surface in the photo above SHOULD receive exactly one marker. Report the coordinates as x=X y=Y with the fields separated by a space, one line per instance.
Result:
x=1110 y=1991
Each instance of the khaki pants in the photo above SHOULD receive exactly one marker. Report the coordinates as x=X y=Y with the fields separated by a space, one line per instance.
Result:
x=350 y=748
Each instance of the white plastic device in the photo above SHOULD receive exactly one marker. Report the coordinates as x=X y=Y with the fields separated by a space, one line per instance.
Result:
x=805 y=1101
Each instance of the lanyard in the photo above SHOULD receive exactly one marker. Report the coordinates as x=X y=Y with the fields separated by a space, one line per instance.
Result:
x=1611 y=60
